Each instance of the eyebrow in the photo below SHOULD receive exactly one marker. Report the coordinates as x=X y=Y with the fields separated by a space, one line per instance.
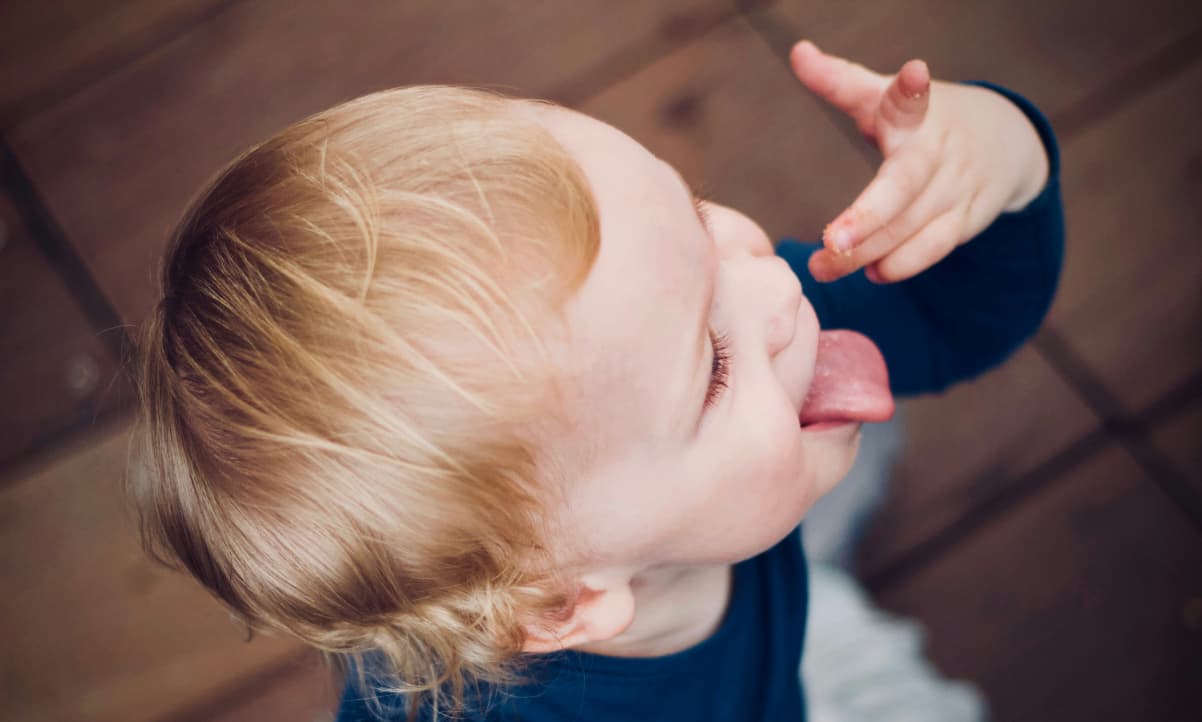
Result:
x=702 y=333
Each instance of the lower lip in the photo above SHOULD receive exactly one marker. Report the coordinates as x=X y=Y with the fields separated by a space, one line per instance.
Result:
x=828 y=425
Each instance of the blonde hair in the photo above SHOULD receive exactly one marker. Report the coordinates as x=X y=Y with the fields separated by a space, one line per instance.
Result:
x=339 y=383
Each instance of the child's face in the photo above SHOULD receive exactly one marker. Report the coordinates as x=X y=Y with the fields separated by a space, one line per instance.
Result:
x=676 y=484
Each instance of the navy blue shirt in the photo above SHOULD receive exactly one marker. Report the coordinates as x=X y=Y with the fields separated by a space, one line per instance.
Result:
x=959 y=318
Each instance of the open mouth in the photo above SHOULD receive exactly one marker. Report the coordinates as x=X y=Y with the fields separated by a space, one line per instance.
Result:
x=824 y=425
x=850 y=384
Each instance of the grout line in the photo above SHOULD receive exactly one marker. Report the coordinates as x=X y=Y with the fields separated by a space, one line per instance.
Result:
x=82 y=288
x=94 y=70
x=62 y=256
x=47 y=449
x=779 y=35
x=1173 y=403
x=609 y=71
x=920 y=555
x=1168 y=477
x=1074 y=371
x=1130 y=430
x=244 y=690
x=1137 y=80
x=96 y=307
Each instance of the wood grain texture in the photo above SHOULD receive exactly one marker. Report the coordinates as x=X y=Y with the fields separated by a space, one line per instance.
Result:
x=1081 y=604
x=118 y=161
x=93 y=629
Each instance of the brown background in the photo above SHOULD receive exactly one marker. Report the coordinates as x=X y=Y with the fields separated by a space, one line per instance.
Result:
x=1045 y=520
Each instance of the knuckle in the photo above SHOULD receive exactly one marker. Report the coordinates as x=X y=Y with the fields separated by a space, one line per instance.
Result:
x=877 y=244
x=868 y=218
x=907 y=177
x=889 y=236
x=945 y=139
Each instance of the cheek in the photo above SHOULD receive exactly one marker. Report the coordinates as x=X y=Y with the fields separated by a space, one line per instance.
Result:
x=829 y=460
x=772 y=462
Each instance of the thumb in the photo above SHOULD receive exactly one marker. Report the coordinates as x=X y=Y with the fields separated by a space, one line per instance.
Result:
x=851 y=88
x=905 y=103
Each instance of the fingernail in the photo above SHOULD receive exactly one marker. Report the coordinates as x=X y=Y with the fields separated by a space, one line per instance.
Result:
x=839 y=237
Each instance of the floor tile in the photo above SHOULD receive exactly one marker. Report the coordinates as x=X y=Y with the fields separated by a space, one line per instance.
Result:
x=305 y=692
x=152 y=133
x=59 y=374
x=50 y=48
x=1131 y=298
x=728 y=113
x=1054 y=53
x=1084 y=603
x=92 y=629
x=1181 y=440
x=970 y=444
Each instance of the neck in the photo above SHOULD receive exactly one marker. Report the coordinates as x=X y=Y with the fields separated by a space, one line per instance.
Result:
x=675 y=608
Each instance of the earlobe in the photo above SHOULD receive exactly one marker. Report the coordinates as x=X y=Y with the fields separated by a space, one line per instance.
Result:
x=604 y=609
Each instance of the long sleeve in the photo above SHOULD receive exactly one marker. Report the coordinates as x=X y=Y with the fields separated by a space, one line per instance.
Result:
x=967 y=313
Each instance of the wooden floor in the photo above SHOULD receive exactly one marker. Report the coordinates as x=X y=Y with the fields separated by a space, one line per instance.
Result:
x=1045 y=523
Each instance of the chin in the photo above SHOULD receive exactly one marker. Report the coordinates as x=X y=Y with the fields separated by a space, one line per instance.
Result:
x=837 y=454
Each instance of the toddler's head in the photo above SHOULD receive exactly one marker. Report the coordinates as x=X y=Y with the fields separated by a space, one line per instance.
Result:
x=444 y=375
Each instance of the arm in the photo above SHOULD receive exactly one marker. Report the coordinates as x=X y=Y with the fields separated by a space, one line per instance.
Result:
x=967 y=313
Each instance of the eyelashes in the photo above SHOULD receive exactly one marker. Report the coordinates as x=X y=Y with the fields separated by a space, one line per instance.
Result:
x=720 y=372
x=703 y=211
x=701 y=197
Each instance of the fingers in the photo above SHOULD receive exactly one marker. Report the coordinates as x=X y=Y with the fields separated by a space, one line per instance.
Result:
x=921 y=251
x=827 y=266
x=904 y=105
x=900 y=180
x=932 y=202
x=851 y=88
x=929 y=245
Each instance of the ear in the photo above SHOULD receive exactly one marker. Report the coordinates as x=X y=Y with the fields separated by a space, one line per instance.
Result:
x=604 y=608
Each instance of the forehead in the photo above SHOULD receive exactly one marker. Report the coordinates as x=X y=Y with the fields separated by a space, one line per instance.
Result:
x=634 y=322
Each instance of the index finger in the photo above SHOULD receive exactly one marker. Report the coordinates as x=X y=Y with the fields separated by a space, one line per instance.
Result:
x=899 y=181
x=848 y=86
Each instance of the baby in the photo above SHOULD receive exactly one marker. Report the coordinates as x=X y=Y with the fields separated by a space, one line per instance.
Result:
x=477 y=393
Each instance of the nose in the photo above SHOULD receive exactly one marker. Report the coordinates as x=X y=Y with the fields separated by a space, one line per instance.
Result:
x=782 y=295
x=773 y=290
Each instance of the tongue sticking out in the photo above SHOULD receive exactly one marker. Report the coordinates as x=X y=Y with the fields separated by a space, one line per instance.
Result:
x=850 y=382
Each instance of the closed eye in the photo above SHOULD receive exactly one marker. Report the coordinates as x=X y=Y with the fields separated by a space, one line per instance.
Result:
x=701 y=204
x=720 y=370
x=703 y=212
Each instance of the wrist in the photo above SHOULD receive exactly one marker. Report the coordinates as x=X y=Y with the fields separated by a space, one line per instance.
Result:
x=1034 y=175
x=1031 y=145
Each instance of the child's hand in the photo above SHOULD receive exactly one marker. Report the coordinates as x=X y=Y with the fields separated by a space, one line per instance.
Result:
x=955 y=157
